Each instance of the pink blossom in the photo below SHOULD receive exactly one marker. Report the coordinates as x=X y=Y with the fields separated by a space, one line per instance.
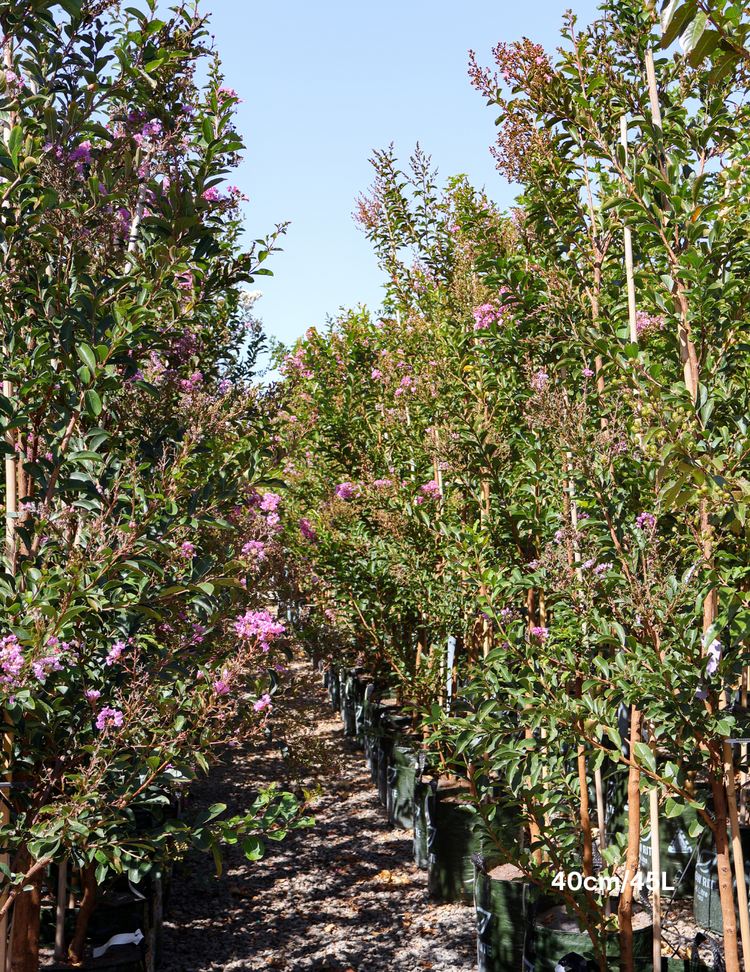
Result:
x=108 y=717
x=382 y=483
x=114 y=652
x=648 y=324
x=430 y=490
x=191 y=383
x=259 y=625
x=307 y=530
x=646 y=521
x=587 y=373
x=270 y=502
x=540 y=634
x=93 y=694
x=255 y=547
x=345 y=491
x=221 y=687
x=484 y=316
x=263 y=703
x=187 y=549
x=11 y=658
x=540 y=380
x=224 y=94
x=376 y=373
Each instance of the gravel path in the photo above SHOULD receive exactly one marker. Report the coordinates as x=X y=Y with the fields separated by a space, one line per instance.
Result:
x=343 y=896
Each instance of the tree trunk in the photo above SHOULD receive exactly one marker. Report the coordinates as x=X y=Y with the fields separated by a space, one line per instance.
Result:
x=87 y=906
x=26 y=913
x=724 y=866
x=625 y=910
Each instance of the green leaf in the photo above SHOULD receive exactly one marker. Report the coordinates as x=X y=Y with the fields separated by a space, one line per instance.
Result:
x=86 y=354
x=705 y=46
x=14 y=143
x=667 y=12
x=679 y=20
x=217 y=859
x=645 y=756
x=692 y=33
x=674 y=807
x=92 y=403
x=253 y=848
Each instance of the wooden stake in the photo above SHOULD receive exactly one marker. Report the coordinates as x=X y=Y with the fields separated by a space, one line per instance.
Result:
x=653 y=94
x=628 y=240
x=739 y=862
x=600 y=812
x=62 y=892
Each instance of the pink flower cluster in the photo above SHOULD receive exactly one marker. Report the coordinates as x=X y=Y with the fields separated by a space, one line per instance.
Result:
x=81 y=155
x=263 y=702
x=152 y=129
x=296 y=363
x=54 y=661
x=270 y=502
x=259 y=625
x=187 y=550
x=540 y=634
x=428 y=491
x=108 y=717
x=307 y=530
x=540 y=380
x=382 y=483
x=484 y=316
x=11 y=659
x=345 y=491
x=648 y=324
x=646 y=521
x=224 y=94
x=255 y=547
x=114 y=652
x=191 y=383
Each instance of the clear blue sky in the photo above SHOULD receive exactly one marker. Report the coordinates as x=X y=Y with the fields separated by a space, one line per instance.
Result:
x=326 y=83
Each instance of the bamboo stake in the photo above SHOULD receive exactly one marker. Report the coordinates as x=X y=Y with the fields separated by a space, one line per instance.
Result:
x=653 y=95
x=628 y=240
x=739 y=863
x=62 y=886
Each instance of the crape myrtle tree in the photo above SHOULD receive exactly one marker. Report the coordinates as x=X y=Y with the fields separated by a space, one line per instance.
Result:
x=374 y=425
x=587 y=441
x=142 y=521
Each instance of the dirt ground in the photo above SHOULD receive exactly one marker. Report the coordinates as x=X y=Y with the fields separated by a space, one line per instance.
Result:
x=343 y=896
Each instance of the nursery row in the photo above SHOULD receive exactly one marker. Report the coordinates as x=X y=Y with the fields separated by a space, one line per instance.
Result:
x=518 y=493
x=518 y=925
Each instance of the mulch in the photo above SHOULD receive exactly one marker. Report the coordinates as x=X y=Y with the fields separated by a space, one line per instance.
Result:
x=344 y=896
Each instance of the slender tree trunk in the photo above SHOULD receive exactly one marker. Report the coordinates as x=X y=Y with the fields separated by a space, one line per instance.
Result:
x=84 y=913
x=724 y=866
x=625 y=910
x=26 y=914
